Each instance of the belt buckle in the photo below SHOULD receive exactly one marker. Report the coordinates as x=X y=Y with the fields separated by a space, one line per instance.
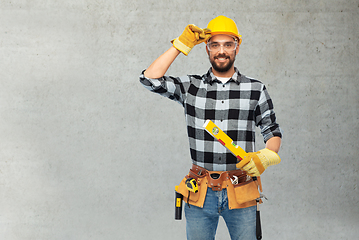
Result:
x=215 y=175
x=215 y=181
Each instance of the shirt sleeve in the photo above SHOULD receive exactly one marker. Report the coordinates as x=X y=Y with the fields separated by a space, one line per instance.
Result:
x=265 y=117
x=174 y=88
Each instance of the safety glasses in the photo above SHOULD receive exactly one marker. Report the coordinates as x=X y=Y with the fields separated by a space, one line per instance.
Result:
x=216 y=46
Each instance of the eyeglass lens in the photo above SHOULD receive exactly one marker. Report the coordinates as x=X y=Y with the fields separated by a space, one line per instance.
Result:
x=227 y=46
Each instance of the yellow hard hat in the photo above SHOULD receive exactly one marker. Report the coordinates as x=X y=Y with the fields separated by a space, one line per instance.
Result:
x=224 y=25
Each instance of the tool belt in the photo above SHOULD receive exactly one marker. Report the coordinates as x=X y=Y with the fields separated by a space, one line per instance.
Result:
x=241 y=194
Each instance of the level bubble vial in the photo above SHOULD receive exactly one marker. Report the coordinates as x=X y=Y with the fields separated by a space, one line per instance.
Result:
x=215 y=130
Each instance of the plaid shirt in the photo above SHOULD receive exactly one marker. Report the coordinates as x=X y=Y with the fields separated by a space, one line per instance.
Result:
x=237 y=107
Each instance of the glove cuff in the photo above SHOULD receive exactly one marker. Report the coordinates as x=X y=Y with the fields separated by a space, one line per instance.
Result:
x=243 y=162
x=257 y=161
x=181 y=46
x=271 y=157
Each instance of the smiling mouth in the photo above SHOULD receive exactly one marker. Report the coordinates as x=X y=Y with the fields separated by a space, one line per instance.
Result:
x=221 y=59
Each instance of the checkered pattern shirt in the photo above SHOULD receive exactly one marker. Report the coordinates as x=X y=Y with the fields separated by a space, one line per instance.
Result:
x=236 y=107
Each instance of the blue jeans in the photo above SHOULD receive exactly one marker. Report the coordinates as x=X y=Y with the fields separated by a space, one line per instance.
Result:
x=201 y=223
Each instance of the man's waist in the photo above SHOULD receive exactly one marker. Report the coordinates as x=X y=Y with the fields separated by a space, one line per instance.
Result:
x=218 y=179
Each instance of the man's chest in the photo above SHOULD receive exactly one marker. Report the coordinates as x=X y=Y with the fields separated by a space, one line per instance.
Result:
x=221 y=97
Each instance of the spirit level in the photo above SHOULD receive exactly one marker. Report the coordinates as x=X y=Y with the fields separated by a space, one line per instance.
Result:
x=224 y=139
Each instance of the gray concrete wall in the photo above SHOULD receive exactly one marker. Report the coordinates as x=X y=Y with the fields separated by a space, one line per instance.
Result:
x=87 y=153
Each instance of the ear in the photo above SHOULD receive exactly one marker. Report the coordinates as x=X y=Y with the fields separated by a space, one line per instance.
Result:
x=207 y=50
x=237 y=50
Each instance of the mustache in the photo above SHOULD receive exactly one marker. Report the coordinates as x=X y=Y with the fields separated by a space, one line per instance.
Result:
x=221 y=55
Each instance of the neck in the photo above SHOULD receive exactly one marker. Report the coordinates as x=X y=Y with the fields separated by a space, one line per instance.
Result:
x=228 y=73
x=223 y=79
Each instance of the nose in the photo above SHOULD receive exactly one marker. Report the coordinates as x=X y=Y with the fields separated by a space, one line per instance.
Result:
x=221 y=49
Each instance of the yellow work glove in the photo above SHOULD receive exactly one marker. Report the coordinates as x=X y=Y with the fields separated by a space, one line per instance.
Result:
x=256 y=162
x=191 y=36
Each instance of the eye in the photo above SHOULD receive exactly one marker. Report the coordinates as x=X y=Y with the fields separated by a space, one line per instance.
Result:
x=228 y=45
x=214 y=45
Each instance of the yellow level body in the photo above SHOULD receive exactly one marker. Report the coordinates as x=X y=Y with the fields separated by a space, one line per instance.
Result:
x=224 y=139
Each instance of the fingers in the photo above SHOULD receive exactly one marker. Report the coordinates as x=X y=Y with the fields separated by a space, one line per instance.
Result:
x=244 y=161
x=251 y=169
x=194 y=28
x=200 y=34
x=249 y=166
x=197 y=35
x=206 y=33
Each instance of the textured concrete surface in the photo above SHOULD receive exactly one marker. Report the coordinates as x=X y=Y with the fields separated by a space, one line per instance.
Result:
x=87 y=153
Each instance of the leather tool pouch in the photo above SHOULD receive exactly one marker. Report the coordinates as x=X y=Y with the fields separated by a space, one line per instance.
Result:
x=246 y=191
x=196 y=199
x=241 y=195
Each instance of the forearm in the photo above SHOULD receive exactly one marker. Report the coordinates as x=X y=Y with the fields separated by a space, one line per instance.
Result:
x=160 y=66
x=274 y=144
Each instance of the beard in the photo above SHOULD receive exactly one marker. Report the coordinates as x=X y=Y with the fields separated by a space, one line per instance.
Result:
x=222 y=67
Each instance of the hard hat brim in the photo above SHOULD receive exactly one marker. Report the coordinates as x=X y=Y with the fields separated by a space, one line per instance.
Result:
x=239 y=37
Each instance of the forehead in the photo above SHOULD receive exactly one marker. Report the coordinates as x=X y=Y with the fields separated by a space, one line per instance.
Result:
x=221 y=38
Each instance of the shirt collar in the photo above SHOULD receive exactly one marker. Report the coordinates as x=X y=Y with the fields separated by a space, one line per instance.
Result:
x=210 y=78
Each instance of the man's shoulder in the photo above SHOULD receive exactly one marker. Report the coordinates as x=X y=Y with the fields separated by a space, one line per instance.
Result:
x=246 y=79
x=251 y=83
x=195 y=76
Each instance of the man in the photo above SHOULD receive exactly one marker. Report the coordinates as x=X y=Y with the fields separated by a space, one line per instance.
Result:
x=236 y=104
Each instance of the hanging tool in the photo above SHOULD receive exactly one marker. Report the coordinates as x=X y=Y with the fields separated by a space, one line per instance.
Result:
x=178 y=205
x=258 y=217
x=258 y=223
